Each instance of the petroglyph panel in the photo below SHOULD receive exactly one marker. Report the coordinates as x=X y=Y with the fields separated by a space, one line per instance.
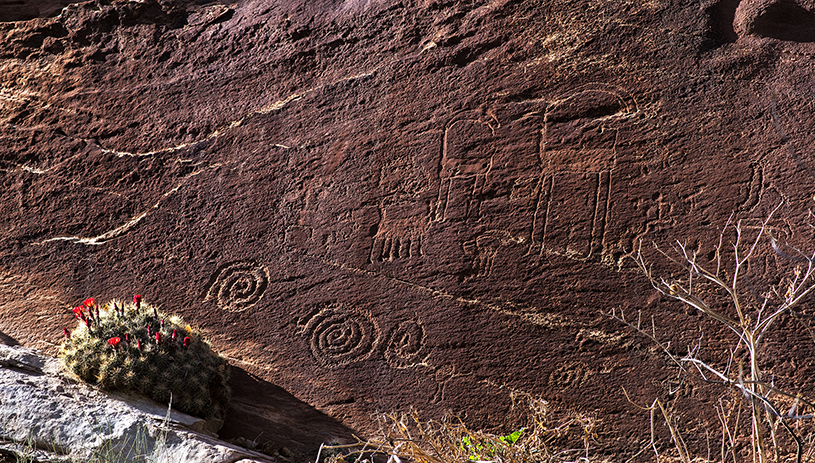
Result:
x=238 y=286
x=536 y=173
x=398 y=198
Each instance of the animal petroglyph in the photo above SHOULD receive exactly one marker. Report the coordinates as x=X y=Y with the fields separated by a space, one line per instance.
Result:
x=238 y=286
x=339 y=335
x=509 y=183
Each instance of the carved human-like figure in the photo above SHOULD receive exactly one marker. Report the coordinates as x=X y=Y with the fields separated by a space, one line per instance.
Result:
x=578 y=155
x=465 y=164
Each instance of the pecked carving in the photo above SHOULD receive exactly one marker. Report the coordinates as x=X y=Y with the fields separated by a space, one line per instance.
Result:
x=238 y=286
x=339 y=335
x=407 y=345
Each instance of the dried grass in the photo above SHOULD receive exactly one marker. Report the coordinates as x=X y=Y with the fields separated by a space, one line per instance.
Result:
x=406 y=437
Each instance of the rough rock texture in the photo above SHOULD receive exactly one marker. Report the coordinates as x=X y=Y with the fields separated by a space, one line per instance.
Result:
x=377 y=204
x=275 y=422
x=44 y=414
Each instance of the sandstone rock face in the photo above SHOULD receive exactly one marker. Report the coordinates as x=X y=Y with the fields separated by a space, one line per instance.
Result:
x=43 y=413
x=377 y=204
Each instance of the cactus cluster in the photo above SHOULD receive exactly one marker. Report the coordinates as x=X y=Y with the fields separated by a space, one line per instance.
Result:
x=135 y=346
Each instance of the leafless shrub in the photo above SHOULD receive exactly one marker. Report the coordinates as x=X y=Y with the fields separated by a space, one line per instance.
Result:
x=723 y=291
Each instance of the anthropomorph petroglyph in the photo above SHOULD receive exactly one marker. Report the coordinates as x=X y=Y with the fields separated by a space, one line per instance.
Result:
x=536 y=174
x=466 y=159
x=578 y=153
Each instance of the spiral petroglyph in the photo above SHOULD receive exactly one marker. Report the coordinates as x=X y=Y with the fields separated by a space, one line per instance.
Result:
x=406 y=345
x=238 y=285
x=339 y=335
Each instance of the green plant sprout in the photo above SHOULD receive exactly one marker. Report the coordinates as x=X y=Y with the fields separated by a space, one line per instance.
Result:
x=486 y=451
x=405 y=437
x=134 y=346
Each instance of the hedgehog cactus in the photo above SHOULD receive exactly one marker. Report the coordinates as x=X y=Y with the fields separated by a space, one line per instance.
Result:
x=134 y=346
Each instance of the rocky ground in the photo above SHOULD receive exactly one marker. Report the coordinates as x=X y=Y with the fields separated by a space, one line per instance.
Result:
x=49 y=415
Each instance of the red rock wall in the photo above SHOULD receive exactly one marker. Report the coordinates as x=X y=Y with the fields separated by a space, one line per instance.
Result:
x=382 y=204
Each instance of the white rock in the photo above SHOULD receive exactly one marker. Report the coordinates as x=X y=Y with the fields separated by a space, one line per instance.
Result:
x=45 y=413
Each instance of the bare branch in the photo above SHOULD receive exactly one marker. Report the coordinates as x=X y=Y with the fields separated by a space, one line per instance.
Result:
x=705 y=290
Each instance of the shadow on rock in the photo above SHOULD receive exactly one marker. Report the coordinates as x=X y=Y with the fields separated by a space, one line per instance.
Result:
x=266 y=417
x=8 y=340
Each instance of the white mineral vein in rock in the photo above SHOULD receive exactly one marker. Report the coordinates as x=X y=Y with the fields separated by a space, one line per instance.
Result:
x=105 y=237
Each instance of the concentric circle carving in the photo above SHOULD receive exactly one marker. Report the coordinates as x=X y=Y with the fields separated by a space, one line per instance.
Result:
x=239 y=285
x=406 y=345
x=340 y=335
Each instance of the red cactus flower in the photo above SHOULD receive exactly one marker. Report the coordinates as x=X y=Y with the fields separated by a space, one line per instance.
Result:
x=137 y=298
x=114 y=341
x=89 y=302
x=127 y=338
x=78 y=312
x=139 y=344
x=187 y=341
x=158 y=338
x=175 y=335
x=67 y=334
x=149 y=331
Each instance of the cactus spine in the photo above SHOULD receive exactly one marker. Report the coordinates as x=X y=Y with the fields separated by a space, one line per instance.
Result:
x=132 y=346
